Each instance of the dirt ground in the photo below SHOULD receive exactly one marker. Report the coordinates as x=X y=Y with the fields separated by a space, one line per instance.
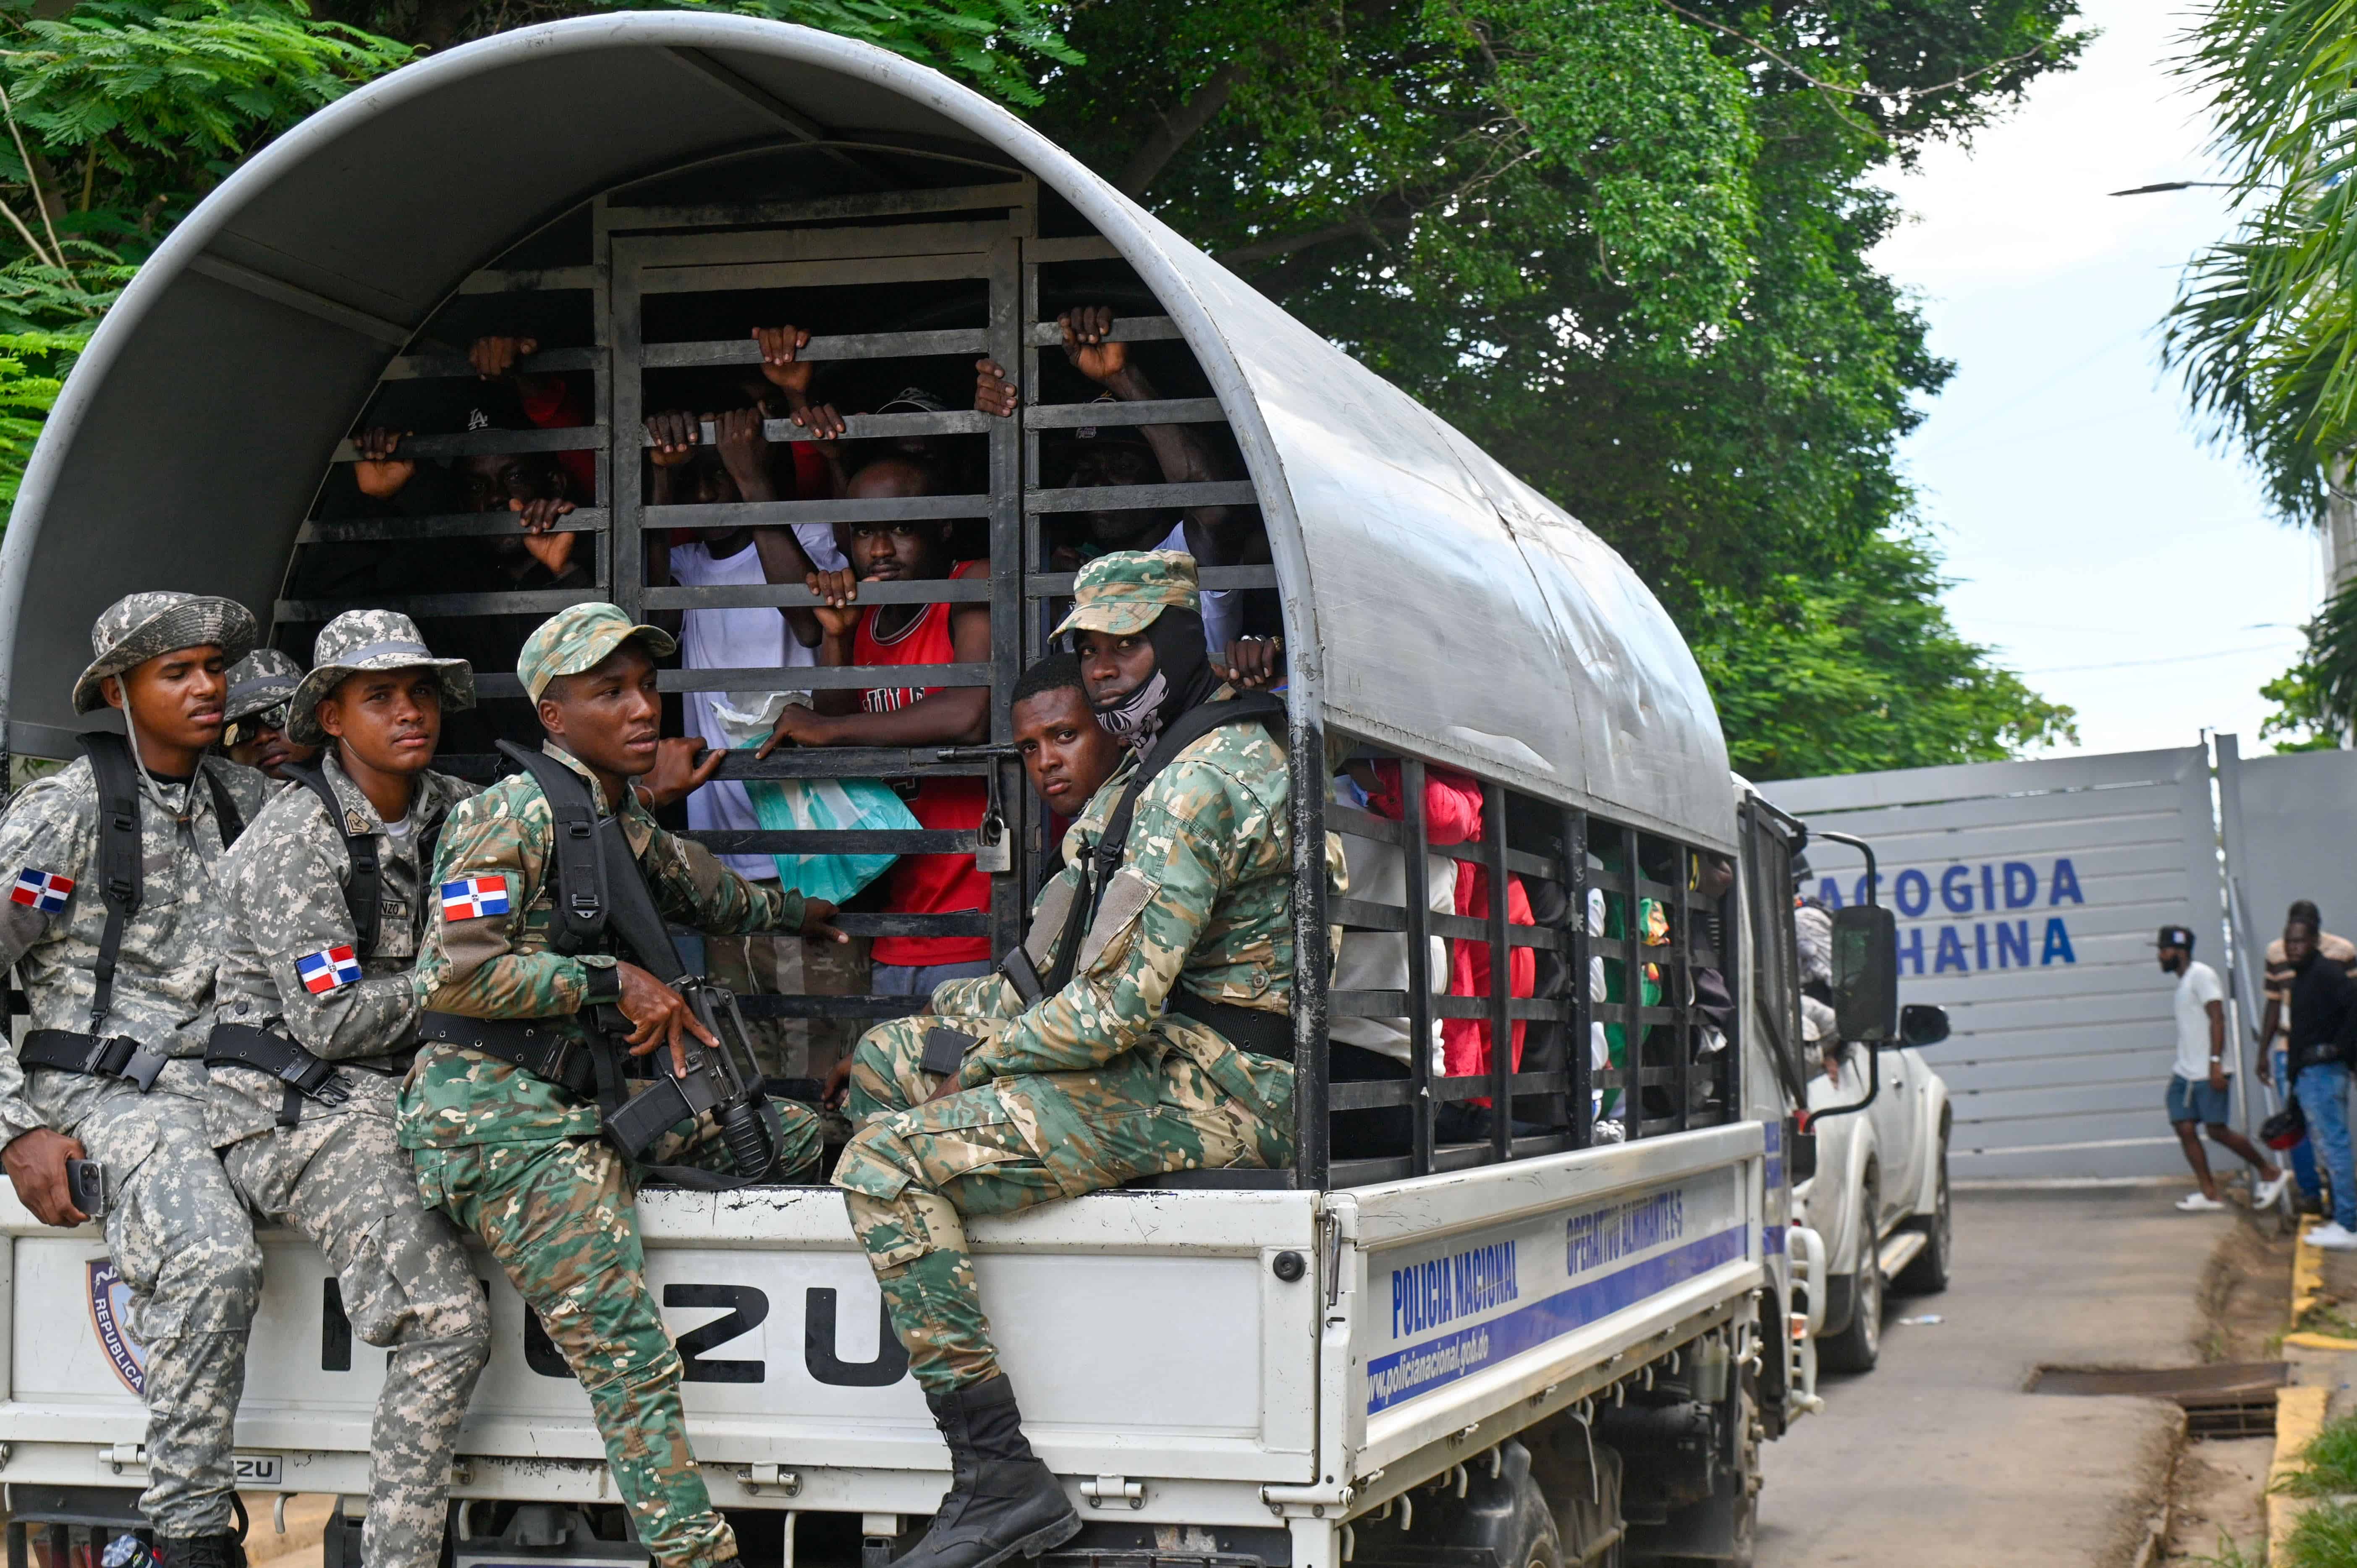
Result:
x=2217 y=1493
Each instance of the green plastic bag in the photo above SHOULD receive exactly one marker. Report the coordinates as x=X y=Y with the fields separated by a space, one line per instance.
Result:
x=826 y=805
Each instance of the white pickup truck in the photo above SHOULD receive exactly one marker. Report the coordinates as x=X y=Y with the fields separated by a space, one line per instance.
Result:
x=1480 y=1319
x=1880 y=1197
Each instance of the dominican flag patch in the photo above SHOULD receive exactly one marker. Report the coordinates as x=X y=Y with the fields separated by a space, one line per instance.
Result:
x=44 y=890
x=330 y=969
x=472 y=898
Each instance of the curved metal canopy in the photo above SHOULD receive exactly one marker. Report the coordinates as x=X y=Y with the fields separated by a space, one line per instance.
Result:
x=1433 y=600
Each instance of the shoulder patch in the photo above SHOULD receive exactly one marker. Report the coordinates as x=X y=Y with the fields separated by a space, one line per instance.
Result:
x=329 y=969
x=472 y=898
x=43 y=890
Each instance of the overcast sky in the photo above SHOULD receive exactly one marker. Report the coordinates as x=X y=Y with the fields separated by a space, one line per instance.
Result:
x=2118 y=563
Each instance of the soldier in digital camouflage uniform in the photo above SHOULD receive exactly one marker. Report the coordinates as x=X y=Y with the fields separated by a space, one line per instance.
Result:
x=297 y=967
x=261 y=684
x=175 y=1229
x=1103 y=1079
x=517 y=1158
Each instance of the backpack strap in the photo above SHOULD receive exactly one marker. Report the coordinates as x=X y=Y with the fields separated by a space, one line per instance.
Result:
x=364 y=888
x=583 y=906
x=119 y=857
x=1112 y=845
x=230 y=820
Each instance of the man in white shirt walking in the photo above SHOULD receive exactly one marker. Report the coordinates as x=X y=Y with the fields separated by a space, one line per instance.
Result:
x=2198 y=1090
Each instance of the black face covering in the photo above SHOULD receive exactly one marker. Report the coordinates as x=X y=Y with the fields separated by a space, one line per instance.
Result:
x=1182 y=678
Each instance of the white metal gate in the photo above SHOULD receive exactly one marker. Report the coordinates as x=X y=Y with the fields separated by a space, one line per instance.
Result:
x=2028 y=895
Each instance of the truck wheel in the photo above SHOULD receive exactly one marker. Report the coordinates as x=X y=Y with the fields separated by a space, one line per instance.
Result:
x=1928 y=1274
x=1535 y=1541
x=1743 y=1543
x=1857 y=1346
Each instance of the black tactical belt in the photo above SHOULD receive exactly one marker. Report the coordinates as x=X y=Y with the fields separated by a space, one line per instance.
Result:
x=539 y=1046
x=1264 y=1033
x=111 y=1056
x=240 y=1045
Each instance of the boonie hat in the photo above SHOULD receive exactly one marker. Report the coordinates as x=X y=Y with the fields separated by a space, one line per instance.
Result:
x=1123 y=592
x=140 y=626
x=2175 y=936
x=579 y=637
x=358 y=641
x=263 y=680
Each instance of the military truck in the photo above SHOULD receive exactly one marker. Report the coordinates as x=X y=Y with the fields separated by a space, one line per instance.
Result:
x=1560 y=1338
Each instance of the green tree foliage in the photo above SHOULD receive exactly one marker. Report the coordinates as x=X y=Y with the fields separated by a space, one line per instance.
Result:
x=1622 y=245
x=2265 y=329
x=1812 y=675
x=121 y=114
x=32 y=369
x=2316 y=699
x=998 y=46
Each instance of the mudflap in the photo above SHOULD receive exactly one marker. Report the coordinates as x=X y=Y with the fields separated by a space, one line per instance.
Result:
x=1714 y=1529
x=1581 y=1479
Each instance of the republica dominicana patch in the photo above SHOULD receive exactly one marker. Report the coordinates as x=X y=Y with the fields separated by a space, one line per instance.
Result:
x=472 y=898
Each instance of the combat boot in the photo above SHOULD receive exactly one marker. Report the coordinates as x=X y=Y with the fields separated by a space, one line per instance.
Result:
x=1001 y=1500
x=225 y=1550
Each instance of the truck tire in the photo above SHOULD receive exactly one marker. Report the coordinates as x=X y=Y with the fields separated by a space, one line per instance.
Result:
x=1928 y=1274
x=1744 y=1532
x=1859 y=1344
x=1533 y=1540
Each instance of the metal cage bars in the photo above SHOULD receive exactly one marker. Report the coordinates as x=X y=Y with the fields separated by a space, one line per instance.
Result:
x=632 y=259
x=1551 y=850
x=1006 y=255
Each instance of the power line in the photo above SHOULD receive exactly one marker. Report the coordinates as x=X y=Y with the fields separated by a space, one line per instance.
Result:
x=2146 y=664
x=2037 y=391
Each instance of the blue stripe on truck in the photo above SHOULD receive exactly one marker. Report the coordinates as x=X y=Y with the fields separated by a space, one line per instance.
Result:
x=1420 y=1368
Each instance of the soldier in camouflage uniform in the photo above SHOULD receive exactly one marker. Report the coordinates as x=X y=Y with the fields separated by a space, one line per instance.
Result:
x=261 y=684
x=516 y=1158
x=1114 y=1075
x=298 y=968
x=175 y=1229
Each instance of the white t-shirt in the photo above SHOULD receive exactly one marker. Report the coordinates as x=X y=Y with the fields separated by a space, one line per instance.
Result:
x=754 y=638
x=1377 y=961
x=1221 y=615
x=2196 y=989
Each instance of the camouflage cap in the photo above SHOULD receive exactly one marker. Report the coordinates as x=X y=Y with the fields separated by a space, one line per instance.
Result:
x=1121 y=593
x=579 y=637
x=140 y=626
x=360 y=641
x=260 y=681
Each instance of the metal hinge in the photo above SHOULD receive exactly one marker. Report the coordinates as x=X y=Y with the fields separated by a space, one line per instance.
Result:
x=1106 y=1490
x=122 y=1454
x=760 y=1478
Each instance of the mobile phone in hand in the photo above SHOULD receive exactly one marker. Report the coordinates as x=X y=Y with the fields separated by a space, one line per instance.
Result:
x=86 y=1182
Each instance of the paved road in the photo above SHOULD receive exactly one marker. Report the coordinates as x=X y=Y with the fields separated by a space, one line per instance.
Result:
x=1937 y=1457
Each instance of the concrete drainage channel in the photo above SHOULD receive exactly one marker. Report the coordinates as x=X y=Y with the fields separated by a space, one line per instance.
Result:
x=2230 y=1399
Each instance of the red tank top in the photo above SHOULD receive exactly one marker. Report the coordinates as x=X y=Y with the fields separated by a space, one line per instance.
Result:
x=928 y=883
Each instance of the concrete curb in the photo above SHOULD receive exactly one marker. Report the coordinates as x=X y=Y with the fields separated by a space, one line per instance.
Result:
x=2306 y=1277
x=2300 y=1415
x=2300 y=1411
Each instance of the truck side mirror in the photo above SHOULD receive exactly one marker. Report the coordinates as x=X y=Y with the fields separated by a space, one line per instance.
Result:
x=1866 y=973
x=1921 y=1024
